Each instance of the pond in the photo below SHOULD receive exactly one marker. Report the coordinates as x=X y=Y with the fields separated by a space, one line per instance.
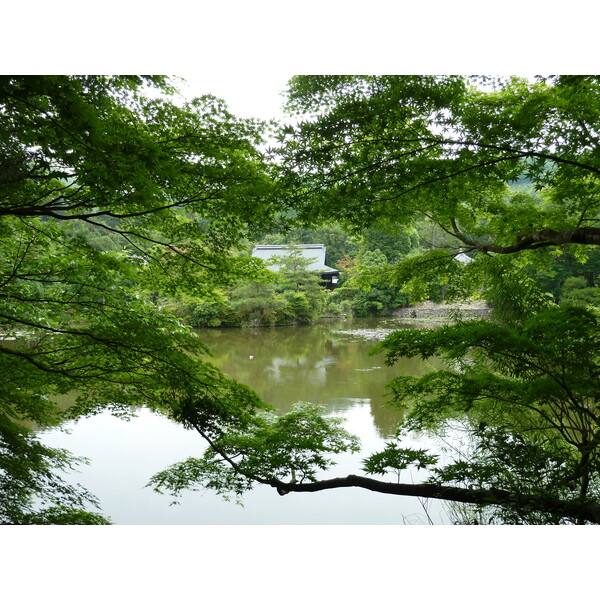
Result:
x=327 y=364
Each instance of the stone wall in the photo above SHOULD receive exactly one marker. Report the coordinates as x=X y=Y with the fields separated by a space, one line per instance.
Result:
x=434 y=311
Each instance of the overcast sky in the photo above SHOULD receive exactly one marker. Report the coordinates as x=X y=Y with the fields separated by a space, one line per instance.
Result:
x=255 y=94
x=245 y=52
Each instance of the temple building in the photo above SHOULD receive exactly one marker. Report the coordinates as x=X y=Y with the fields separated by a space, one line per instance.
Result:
x=316 y=252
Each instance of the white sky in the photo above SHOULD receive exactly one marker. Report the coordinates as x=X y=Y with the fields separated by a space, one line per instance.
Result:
x=245 y=52
x=247 y=94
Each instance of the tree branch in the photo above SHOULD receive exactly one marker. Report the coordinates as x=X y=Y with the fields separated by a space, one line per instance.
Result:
x=574 y=509
x=532 y=241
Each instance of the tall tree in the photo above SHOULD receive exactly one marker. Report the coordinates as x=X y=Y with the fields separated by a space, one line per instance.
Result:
x=398 y=147
x=175 y=185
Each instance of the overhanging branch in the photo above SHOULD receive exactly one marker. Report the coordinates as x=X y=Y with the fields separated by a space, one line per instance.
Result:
x=578 y=510
x=538 y=239
x=573 y=509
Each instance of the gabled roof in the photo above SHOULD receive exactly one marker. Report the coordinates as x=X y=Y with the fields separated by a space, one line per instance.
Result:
x=316 y=252
x=463 y=258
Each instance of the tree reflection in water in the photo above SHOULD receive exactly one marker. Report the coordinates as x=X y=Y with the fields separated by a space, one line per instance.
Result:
x=326 y=364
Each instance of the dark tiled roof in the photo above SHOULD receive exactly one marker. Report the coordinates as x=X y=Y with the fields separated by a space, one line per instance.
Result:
x=313 y=251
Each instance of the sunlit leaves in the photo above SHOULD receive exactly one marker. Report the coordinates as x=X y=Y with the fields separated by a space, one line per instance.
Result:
x=527 y=390
x=493 y=162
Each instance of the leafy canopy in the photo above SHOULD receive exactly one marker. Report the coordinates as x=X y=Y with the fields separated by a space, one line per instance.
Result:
x=499 y=165
x=171 y=187
x=528 y=391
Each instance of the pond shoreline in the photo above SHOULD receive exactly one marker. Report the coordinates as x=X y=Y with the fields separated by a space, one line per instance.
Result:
x=423 y=312
x=433 y=311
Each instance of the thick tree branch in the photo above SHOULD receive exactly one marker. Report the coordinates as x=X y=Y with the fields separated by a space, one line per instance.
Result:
x=574 y=509
x=49 y=209
x=532 y=241
x=521 y=153
x=514 y=153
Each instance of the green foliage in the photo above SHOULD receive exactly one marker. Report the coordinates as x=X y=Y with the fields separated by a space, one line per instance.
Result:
x=114 y=206
x=296 y=445
x=31 y=492
x=301 y=287
x=377 y=300
x=337 y=241
x=573 y=283
x=511 y=291
x=391 y=151
x=63 y=516
x=299 y=306
x=110 y=200
x=490 y=169
x=394 y=459
x=576 y=293
x=364 y=292
x=292 y=295
x=500 y=458
x=258 y=302
x=582 y=297
x=555 y=267
x=211 y=313
x=394 y=242
x=422 y=275
x=528 y=391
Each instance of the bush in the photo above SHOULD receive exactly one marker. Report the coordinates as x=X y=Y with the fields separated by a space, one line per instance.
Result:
x=299 y=307
x=575 y=293
x=269 y=310
x=582 y=297
x=207 y=313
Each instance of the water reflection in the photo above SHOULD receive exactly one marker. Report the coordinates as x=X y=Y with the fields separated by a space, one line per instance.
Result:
x=326 y=364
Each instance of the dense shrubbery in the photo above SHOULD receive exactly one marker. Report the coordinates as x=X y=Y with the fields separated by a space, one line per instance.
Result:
x=365 y=303
x=575 y=292
x=253 y=304
x=294 y=296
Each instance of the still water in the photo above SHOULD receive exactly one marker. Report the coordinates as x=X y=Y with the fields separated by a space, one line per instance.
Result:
x=327 y=364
